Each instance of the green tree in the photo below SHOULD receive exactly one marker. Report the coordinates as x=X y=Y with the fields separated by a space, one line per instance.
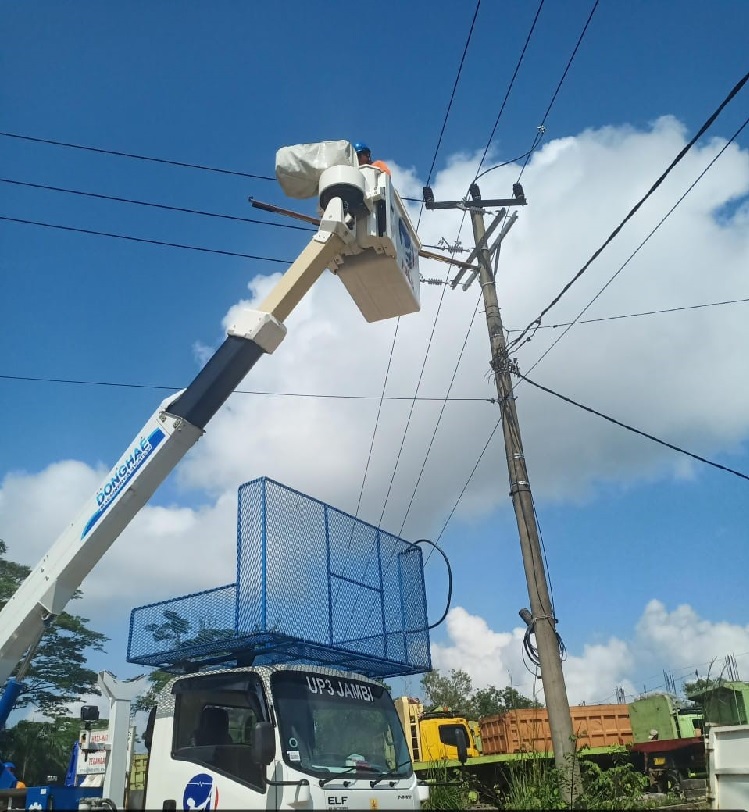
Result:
x=58 y=675
x=40 y=749
x=456 y=693
x=157 y=680
x=491 y=701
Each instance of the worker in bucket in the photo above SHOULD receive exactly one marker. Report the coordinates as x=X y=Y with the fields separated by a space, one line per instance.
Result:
x=11 y=768
x=364 y=154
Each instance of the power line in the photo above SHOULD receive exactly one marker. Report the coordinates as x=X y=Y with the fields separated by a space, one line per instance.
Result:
x=144 y=240
x=541 y=130
x=509 y=87
x=377 y=423
x=632 y=429
x=149 y=204
x=636 y=315
x=478 y=170
x=706 y=126
x=103 y=151
x=449 y=106
x=439 y=307
x=479 y=174
x=632 y=255
x=439 y=418
x=311 y=395
x=467 y=482
x=413 y=402
x=504 y=163
x=452 y=94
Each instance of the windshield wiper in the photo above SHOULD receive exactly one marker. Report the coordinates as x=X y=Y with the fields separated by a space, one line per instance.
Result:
x=347 y=771
x=389 y=774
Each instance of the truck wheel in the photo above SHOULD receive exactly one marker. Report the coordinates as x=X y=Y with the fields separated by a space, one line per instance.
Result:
x=669 y=782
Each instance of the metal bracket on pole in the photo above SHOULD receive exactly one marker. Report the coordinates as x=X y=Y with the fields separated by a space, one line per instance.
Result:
x=477 y=204
x=496 y=244
x=518 y=200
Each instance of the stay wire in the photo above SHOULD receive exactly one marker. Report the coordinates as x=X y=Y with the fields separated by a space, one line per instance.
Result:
x=102 y=151
x=634 y=253
x=629 y=428
x=150 y=204
x=143 y=240
x=703 y=129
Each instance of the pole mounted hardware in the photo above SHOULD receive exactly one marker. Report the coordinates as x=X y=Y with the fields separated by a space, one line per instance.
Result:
x=518 y=199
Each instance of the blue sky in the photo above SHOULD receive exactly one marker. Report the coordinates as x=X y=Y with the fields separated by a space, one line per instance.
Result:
x=225 y=85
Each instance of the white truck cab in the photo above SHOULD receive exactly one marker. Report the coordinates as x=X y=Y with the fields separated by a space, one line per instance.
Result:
x=279 y=737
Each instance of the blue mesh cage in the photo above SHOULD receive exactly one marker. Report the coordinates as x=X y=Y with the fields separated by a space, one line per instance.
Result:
x=314 y=585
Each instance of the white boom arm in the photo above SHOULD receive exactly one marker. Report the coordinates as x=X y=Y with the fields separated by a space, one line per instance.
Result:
x=366 y=236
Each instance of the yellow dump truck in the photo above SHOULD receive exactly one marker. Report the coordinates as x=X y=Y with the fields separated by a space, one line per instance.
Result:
x=432 y=736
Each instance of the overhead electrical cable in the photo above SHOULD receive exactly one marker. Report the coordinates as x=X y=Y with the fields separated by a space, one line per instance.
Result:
x=541 y=130
x=632 y=255
x=413 y=402
x=449 y=105
x=703 y=129
x=149 y=204
x=462 y=220
x=421 y=209
x=623 y=316
x=311 y=395
x=632 y=429
x=103 y=151
x=439 y=418
x=452 y=93
x=144 y=240
x=468 y=481
x=377 y=420
x=509 y=87
x=431 y=169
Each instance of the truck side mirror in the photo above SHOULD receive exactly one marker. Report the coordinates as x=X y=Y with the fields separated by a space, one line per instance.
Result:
x=461 y=742
x=455 y=736
x=264 y=743
x=89 y=713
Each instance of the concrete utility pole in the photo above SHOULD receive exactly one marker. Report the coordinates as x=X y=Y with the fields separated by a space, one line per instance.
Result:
x=542 y=620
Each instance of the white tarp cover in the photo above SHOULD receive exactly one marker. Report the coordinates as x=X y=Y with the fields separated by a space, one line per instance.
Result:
x=298 y=168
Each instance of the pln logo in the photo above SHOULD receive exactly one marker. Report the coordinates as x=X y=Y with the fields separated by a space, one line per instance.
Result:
x=201 y=792
x=405 y=241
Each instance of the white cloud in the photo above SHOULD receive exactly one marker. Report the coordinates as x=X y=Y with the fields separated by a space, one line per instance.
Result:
x=678 y=642
x=579 y=188
x=165 y=552
x=643 y=371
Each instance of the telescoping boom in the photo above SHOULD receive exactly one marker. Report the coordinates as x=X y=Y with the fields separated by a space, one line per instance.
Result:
x=366 y=238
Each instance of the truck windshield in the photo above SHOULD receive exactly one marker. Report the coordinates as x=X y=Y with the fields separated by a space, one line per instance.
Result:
x=330 y=725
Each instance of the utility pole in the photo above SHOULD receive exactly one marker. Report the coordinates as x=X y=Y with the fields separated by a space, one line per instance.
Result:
x=540 y=620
